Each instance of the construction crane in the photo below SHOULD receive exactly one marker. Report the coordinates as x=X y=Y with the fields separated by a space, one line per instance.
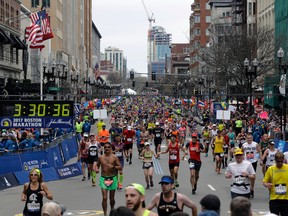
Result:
x=149 y=57
x=150 y=18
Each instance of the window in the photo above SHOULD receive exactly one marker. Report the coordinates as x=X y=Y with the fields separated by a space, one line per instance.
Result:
x=208 y=6
x=197 y=32
x=208 y=19
x=197 y=19
x=34 y=3
x=207 y=32
x=227 y=14
x=46 y=3
x=250 y=8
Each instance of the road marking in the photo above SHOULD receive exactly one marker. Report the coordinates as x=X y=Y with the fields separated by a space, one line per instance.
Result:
x=211 y=187
x=157 y=166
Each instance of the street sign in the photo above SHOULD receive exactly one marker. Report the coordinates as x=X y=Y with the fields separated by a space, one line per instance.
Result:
x=54 y=89
x=258 y=108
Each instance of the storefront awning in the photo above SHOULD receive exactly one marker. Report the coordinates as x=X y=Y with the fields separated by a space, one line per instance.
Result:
x=4 y=37
x=16 y=42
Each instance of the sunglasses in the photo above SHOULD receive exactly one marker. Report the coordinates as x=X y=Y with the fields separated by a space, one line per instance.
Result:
x=107 y=146
x=33 y=174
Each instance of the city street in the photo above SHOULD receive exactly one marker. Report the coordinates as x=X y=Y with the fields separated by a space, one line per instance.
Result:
x=81 y=198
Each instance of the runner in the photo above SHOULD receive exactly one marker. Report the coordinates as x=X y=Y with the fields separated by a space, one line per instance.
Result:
x=225 y=148
x=118 y=150
x=232 y=136
x=269 y=155
x=103 y=137
x=110 y=165
x=168 y=202
x=93 y=149
x=212 y=135
x=194 y=148
x=206 y=139
x=158 y=134
x=218 y=143
x=135 y=200
x=174 y=157
x=129 y=136
x=242 y=173
x=146 y=155
x=251 y=151
x=264 y=144
x=83 y=155
x=33 y=193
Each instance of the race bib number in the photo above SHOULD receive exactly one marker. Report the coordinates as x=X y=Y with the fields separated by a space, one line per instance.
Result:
x=147 y=165
x=280 y=189
x=221 y=154
x=191 y=165
x=129 y=139
x=158 y=135
x=250 y=155
x=93 y=153
x=118 y=154
x=173 y=157
x=108 y=182
x=33 y=207
x=225 y=146
x=239 y=180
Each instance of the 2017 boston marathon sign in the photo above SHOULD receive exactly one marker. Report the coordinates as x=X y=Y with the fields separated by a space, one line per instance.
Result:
x=36 y=114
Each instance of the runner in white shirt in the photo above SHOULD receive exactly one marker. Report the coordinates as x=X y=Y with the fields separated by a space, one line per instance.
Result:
x=251 y=152
x=242 y=173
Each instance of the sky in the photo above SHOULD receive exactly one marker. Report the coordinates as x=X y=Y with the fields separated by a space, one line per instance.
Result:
x=124 y=24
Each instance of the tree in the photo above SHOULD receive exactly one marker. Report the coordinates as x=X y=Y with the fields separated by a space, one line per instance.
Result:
x=225 y=56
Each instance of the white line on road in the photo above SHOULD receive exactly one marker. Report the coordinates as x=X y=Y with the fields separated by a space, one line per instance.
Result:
x=211 y=187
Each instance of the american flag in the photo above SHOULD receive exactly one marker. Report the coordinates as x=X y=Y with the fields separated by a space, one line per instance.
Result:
x=96 y=71
x=39 y=30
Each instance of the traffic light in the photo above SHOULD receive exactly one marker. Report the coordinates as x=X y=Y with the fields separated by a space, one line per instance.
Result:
x=146 y=84
x=153 y=75
x=133 y=83
x=131 y=74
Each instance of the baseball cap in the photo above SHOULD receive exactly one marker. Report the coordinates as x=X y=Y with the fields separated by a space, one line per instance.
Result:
x=92 y=134
x=211 y=202
x=271 y=142
x=137 y=187
x=214 y=125
x=103 y=125
x=194 y=135
x=85 y=135
x=157 y=123
x=4 y=134
x=238 y=151
x=129 y=127
x=147 y=144
x=167 y=179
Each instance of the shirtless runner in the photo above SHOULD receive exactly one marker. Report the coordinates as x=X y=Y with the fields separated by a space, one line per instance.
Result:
x=110 y=165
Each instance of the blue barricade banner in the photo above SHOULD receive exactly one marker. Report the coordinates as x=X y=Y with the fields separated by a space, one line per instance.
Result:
x=8 y=180
x=66 y=153
x=10 y=163
x=62 y=153
x=69 y=171
x=73 y=147
x=54 y=157
x=37 y=159
x=49 y=174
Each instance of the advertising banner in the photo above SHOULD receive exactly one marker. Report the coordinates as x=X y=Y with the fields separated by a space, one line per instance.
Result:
x=7 y=181
x=64 y=147
x=37 y=159
x=54 y=157
x=69 y=171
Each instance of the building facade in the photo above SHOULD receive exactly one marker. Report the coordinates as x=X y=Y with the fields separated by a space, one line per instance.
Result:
x=159 y=50
x=115 y=56
x=200 y=21
x=266 y=14
x=11 y=40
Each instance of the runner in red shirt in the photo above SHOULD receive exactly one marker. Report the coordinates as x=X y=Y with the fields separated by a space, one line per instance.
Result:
x=194 y=148
x=174 y=157
x=129 y=137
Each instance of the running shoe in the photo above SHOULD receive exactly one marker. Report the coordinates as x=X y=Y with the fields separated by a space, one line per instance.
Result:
x=193 y=191
x=147 y=187
x=130 y=162
x=151 y=184
x=84 y=178
x=93 y=183
x=251 y=194
x=176 y=183
x=119 y=186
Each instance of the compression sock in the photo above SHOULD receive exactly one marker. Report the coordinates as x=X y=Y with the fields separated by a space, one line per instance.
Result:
x=120 y=179
x=130 y=156
x=93 y=174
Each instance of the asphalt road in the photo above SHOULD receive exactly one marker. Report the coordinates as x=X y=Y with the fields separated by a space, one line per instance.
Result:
x=81 y=198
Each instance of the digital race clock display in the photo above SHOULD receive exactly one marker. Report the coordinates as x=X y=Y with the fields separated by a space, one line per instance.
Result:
x=36 y=108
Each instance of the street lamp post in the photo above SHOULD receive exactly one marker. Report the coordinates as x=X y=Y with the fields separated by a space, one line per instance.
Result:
x=282 y=89
x=250 y=73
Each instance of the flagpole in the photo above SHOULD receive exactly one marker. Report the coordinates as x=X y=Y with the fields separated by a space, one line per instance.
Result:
x=41 y=77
